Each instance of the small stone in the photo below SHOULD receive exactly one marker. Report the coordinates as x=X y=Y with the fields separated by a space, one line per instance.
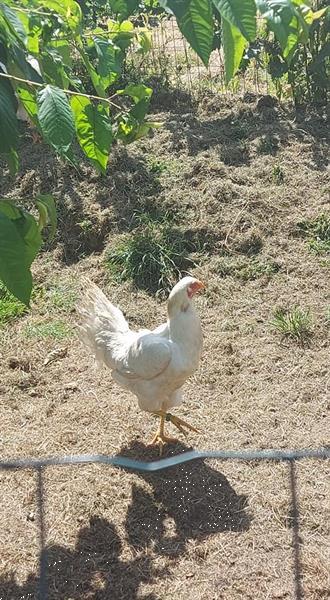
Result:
x=31 y=516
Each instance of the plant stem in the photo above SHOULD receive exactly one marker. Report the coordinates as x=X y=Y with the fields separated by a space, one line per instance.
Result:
x=70 y=92
x=308 y=81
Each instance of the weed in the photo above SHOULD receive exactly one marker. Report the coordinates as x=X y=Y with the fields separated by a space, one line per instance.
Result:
x=10 y=307
x=153 y=256
x=61 y=297
x=158 y=166
x=254 y=269
x=318 y=232
x=278 y=175
x=295 y=323
x=246 y=270
x=57 y=330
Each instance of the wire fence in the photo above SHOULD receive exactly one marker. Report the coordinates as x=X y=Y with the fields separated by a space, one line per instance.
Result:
x=289 y=456
x=172 y=62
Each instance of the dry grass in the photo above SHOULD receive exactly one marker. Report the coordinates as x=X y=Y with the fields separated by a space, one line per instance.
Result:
x=210 y=530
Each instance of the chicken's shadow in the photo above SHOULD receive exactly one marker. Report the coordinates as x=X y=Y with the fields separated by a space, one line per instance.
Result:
x=188 y=502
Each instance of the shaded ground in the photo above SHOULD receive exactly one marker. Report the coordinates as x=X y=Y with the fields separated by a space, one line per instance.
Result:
x=236 y=179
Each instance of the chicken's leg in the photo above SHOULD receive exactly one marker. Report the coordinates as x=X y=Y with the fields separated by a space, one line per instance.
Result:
x=160 y=438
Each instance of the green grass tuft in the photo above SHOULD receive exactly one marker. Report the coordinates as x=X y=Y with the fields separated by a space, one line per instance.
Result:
x=246 y=270
x=295 y=323
x=10 y=307
x=278 y=175
x=318 y=232
x=57 y=330
x=61 y=297
x=153 y=256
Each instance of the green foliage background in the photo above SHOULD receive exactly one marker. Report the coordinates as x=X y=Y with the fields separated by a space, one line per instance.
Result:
x=63 y=60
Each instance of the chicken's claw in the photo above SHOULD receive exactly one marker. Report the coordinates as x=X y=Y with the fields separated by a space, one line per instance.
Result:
x=180 y=424
x=161 y=440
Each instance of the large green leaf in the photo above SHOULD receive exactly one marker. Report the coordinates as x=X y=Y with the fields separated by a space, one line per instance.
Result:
x=8 y=208
x=8 y=119
x=279 y=15
x=93 y=128
x=122 y=34
x=26 y=226
x=15 y=25
x=233 y=46
x=28 y=100
x=195 y=20
x=20 y=241
x=239 y=13
x=109 y=60
x=55 y=118
x=14 y=271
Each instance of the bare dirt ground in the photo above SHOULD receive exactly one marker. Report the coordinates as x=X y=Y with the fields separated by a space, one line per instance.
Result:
x=207 y=530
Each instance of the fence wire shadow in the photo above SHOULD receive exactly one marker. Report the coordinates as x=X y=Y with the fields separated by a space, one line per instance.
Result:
x=289 y=456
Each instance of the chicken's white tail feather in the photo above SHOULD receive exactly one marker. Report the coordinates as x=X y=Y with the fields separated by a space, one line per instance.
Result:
x=98 y=315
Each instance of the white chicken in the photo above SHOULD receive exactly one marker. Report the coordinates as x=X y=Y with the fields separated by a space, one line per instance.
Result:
x=153 y=365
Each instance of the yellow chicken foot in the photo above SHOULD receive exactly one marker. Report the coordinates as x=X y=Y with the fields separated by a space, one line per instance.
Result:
x=181 y=424
x=160 y=438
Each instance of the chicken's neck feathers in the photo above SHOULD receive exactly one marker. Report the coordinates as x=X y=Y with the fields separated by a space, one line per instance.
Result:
x=184 y=327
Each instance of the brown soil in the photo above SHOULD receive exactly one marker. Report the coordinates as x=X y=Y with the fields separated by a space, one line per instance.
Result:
x=210 y=530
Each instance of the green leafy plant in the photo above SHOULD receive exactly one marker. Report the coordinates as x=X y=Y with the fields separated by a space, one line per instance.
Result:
x=153 y=256
x=318 y=232
x=297 y=47
x=64 y=66
x=294 y=323
x=42 y=42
